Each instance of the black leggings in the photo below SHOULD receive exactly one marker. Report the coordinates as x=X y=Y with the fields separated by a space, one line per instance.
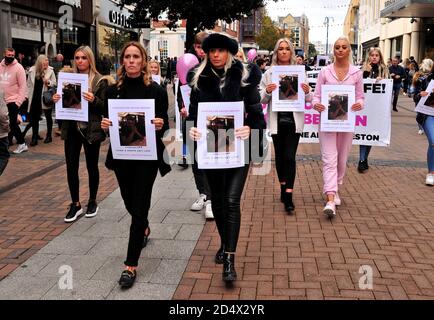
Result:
x=136 y=179
x=226 y=188
x=34 y=122
x=285 y=147
x=73 y=145
x=15 y=128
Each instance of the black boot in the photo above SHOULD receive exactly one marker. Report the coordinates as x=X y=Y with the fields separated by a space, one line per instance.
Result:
x=363 y=166
x=219 y=256
x=48 y=139
x=34 y=141
x=289 y=205
x=229 y=273
x=282 y=192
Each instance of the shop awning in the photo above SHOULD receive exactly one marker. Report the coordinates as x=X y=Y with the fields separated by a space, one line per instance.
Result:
x=408 y=9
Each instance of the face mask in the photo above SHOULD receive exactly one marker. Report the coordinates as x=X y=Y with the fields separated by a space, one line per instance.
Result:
x=9 y=60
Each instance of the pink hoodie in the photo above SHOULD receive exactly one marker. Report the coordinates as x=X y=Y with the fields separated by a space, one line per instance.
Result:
x=13 y=82
x=328 y=75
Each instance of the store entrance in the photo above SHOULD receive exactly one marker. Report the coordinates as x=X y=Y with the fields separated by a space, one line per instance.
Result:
x=29 y=48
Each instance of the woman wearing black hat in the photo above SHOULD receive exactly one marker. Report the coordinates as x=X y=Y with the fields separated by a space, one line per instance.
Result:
x=221 y=78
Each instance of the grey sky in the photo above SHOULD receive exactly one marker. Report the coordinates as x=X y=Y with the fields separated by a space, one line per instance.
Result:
x=316 y=11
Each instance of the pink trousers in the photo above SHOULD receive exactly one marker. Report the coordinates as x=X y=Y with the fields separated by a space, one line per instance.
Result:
x=335 y=147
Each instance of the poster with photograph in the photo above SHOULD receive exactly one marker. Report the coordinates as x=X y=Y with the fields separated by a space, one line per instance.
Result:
x=178 y=119
x=337 y=116
x=72 y=105
x=322 y=61
x=132 y=135
x=289 y=96
x=156 y=78
x=218 y=148
x=426 y=104
x=186 y=92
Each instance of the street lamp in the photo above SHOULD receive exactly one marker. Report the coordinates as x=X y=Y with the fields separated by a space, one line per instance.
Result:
x=326 y=23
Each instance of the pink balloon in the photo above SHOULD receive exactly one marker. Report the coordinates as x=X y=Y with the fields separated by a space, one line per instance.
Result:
x=251 y=55
x=185 y=62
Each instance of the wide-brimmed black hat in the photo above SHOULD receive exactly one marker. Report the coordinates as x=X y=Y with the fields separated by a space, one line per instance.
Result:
x=220 y=41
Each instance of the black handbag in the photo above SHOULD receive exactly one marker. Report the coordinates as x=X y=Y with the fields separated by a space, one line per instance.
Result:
x=47 y=96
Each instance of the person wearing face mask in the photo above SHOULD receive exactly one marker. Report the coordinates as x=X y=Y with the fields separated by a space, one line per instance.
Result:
x=41 y=77
x=13 y=83
x=374 y=68
x=335 y=146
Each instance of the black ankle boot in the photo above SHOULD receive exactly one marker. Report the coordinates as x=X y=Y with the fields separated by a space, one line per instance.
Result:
x=219 y=256
x=289 y=205
x=229 y=273
x=282 y=192
x=34 y=142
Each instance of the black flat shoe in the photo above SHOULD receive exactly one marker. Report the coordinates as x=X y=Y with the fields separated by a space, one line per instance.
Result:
x=34 y=142
x=229 y=273
x=289 y=205
x=219 y=256
x=146 y=237
x=48 y=140
x=127 y=279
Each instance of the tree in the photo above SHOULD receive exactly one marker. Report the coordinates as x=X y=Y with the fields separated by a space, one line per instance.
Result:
x=200 y=15
x=269 y=34
x=312 y=50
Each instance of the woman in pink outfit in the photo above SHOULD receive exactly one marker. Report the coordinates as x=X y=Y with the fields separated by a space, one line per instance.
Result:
x=335 y=146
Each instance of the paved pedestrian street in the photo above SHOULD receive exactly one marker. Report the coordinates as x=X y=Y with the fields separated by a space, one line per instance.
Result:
x=379 y=246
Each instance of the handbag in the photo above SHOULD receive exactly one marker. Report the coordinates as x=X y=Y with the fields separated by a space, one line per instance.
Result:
x=47 y=96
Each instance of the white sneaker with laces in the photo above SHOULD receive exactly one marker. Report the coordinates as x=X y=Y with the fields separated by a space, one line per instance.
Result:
x=330 y=209
x=21 y=148
x=199 y=203
x=429 y=179
x=208 y=210
x=338 y=200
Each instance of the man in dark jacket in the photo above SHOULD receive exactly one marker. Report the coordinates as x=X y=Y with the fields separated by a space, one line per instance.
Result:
x=397 y=73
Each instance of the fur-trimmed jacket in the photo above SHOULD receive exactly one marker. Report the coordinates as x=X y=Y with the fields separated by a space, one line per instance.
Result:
x=209 y=90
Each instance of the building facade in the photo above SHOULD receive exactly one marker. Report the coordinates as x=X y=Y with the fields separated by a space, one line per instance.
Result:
x=249 y=27
x=298 y=28
x=166 y=43
x=351 y=27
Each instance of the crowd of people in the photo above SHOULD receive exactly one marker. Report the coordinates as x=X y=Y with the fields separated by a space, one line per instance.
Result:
x=222 y=75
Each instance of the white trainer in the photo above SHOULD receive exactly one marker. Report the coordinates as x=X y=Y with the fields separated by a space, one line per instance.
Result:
x=21 y=148
x=330 y=209
x=420 y=132
x=208 y=210
x=199 y=203
x=429 y=179
x=338 y=200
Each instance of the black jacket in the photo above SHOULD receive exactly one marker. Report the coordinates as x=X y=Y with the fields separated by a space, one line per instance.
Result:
x=136 y=89
x=209 y=91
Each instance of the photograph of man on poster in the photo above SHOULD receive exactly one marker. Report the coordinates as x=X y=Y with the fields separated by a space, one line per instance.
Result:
x=288 y=87
x=220 y=134
x=338 y=107
x=132 y=129
x=71 y=95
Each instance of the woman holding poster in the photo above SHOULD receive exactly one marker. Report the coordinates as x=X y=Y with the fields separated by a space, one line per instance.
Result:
x=374 y=68
x=222 y=78
x=421 y=82
x=136 y=177
x=285 y=127
x=85 y=134
x=335 y=146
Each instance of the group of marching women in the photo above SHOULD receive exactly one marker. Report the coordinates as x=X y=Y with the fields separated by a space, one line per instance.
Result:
x=220 y=77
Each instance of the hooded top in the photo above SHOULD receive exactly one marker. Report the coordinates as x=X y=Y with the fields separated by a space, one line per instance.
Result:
x=13 y=82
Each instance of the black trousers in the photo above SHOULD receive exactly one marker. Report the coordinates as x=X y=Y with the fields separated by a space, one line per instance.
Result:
x=285 y=147
x=4 y=154
x=226 y=188
x=73 y=145
x=395 y=96
x=15 y=128
x=136 y=179
x=35 y=115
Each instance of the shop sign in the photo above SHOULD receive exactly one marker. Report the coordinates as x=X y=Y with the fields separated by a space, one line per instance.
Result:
x=120 y=19
x=74 y=3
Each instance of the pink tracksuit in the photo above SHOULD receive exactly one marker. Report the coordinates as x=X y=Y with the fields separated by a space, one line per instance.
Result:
x=335 y=146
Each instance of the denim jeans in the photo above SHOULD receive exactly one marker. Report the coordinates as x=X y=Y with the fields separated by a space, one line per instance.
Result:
x=364 y=152
x=428 y=127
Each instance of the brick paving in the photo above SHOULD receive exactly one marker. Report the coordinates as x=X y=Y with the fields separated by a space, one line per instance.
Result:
x=386 y=222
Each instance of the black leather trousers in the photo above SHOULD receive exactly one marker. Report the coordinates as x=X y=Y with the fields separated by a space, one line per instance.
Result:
x=226 y=188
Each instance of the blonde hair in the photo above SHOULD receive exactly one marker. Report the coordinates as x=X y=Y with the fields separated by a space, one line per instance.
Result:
x=243 y=56
x=229 y=62
x=350 y=56
x=39 y=69
x=274 y=61
x=92 y=64
x=383 y=71
x=121 y=73
x=157 y=63
x=425 y=67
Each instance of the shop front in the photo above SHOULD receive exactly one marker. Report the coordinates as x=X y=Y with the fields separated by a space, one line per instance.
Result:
x=113 y=31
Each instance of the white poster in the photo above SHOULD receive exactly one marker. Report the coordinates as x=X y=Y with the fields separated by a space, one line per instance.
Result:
x=186 y=92
x=178 y=119
x=72 y=105
x=156 y=78
x=289 y=95
x=372 y=124
x=218 y=148
x=132 y=135
x=426 y=104
x=338 y=116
